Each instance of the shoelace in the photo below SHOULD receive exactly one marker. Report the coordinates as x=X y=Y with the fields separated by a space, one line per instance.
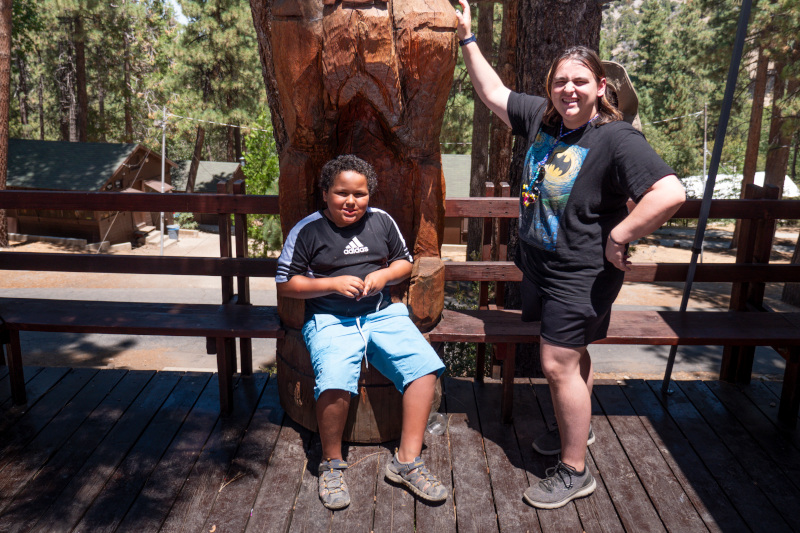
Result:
x=421 y=471
x=549 y=483
x=333 y=480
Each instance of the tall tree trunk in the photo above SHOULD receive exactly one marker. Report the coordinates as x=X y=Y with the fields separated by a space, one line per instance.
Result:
x=5 y=97
x=501 y=138
x=82 y=99
x=480 y=135
x=126 y=90
x=195 y=164
x=544 y=28
x=23 y=89
x=101 y=109
x=775 y=168
x=230 y=153
x=754 y=133
x=779 y=138
x=40 y=104
x=237 y=143
x=65 y=79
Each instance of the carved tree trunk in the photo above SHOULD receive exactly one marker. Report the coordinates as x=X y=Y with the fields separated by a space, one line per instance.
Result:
x=367 y=78
x=481 y=122
x=754 y=133
x=5 y=97
x=544 y=28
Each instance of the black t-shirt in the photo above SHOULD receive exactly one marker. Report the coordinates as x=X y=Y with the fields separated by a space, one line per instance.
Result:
x=588 y=179
x=318 y=248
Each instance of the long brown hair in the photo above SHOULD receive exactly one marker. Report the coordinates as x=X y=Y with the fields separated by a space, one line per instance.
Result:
x=589 y=59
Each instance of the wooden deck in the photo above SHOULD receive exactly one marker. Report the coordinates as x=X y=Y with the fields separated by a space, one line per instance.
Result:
x=116 y=450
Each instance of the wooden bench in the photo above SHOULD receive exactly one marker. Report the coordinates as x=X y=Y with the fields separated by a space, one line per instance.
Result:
x=221 y=323
x=746 y=325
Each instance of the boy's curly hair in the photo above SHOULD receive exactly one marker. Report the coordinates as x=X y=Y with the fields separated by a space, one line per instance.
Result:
x=343 y=163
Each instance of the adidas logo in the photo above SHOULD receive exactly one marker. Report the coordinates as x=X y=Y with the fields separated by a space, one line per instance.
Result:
x=355 y=247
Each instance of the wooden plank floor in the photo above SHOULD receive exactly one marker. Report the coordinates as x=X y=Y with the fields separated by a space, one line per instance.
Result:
x=116 y=450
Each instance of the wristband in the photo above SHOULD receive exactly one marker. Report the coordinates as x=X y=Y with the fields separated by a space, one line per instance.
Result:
x=470 y=39
x=610 y=238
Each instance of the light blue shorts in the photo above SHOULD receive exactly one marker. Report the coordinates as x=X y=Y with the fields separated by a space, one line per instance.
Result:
x=393 y=345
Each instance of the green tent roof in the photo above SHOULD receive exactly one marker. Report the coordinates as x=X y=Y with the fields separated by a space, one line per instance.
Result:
x=63 y=166
x=208 y=174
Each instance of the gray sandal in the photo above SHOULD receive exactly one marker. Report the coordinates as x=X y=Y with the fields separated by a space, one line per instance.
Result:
x=417 y=478
x=332 y=488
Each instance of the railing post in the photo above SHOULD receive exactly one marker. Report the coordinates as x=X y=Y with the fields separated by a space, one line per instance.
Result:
x=225 y=250
x=243 y=282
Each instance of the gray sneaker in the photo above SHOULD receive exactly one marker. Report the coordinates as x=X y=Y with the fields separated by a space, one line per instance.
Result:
x=417 y=478
x=332 y=488
x=562 y=485
x=550 y=442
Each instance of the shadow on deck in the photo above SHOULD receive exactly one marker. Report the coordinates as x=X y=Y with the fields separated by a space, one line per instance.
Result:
x=116 y=450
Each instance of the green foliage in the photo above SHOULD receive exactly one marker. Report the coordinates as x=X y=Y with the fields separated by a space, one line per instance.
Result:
x=261 y=172
x=677 y=54
x=459 y=357
x=185 y=220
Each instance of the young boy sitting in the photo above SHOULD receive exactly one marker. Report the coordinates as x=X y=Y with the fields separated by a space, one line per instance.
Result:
x=341 y=260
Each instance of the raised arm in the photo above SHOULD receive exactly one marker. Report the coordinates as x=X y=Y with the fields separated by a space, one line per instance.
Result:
x=487 y=83
x=657 y=206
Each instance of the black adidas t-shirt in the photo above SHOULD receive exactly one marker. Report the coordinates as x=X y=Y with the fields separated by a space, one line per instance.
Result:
x=588 y=179
x=318 y=248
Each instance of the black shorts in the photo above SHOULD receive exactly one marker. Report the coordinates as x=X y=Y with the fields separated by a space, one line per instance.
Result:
x=569 y=324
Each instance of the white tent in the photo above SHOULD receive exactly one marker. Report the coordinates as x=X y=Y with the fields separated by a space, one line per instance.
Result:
x=728 y=186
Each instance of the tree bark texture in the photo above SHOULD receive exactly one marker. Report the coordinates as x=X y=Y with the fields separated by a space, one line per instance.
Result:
x=5 y=97
x=65 y=77
x=754 y=133
x=82 y=99
x=544 y=29
x=779 y=138
x=23 y=89
x=40 y=105
x=371 y=79
x=126 y=90
x=501 y=138
x=481 y=121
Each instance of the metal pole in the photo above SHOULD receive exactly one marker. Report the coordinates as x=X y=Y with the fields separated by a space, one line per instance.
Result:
x=722 y=128
x=163 y=165
x=705 y=156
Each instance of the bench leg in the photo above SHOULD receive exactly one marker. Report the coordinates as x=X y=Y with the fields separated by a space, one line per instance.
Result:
x=15 y=371
x=790 y=393
x=507 y=354
x=737 y=364
x=225 y=374
x=480 y=362
x=246 y=352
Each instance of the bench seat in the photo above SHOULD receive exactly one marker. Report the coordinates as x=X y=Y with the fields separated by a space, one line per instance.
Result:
x=220 y=322
x=724 y=328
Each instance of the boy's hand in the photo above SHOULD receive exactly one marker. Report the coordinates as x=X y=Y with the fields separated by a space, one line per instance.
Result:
x=373 y=283
x=349 y=286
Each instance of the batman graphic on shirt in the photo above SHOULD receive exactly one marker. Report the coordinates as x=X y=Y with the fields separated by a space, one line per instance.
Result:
x=560 y=172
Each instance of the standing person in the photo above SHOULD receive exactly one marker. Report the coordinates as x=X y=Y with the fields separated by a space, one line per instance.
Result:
x=582 y=165
x=342 y=260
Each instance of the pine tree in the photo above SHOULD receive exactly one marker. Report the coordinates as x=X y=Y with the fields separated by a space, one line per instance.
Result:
x=217 y=73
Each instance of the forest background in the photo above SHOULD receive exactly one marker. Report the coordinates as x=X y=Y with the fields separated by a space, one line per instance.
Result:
x=99 y=71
